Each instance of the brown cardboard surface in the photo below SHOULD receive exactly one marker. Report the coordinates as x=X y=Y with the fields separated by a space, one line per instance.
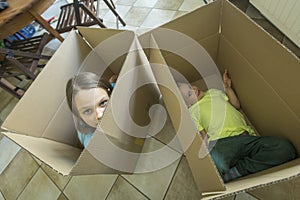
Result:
x=196 y=153
x=271 y=60
x=268 y=94
x=48 y=82
x=111 y=45
x=284 y=122
x=59 y=156
x=95 y=167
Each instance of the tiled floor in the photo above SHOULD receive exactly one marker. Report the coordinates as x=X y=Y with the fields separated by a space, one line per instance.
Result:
x=24 y=177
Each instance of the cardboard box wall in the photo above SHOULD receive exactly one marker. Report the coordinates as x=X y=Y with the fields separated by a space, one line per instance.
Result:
x=46 y=128
x=264 y=75
x=258 y=65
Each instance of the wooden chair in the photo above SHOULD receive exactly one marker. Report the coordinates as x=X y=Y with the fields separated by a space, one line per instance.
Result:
x=78 y=13
x=112 y=7
x=21 y=58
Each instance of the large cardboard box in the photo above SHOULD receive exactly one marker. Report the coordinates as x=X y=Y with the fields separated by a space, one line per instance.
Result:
x=196 y=47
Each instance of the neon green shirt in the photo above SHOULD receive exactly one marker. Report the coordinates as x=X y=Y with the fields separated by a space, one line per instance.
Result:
x=214 y=113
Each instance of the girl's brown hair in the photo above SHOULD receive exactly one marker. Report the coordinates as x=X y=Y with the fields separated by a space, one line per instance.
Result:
x=85 y=81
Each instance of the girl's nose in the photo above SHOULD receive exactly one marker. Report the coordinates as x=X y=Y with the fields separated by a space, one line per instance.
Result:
x=99 y=112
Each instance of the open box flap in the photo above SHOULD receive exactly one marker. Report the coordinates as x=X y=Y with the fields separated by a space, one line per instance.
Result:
x=202 y=167
x=48 y=94
x=129 y=110
x=126 y=120
x=59 y=156
x=188 y=59
x=110 y=44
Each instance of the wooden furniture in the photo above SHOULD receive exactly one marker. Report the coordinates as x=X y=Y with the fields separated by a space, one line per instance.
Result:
x=78 y=13
x=112 y=7
x=21 y=58
x=20 y=13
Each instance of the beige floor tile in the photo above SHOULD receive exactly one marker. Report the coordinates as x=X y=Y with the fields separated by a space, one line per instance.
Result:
x=136 y=16
x=158 y=17
x=17 y=175
x=60 y=180
x=189 y=5
x=125 y=2
x=122 y=11
x=179 y=14
x=245 y=196
x=167 y=134
x=183 y=185
x=38 y=161
x=154 y=184
x=62 y=197
x=284 y=190
x=1 y=196
x=40 y=187
x=128 y=27
x=102 y=12
x=102 y=9
x=89 y=187
x=5 y=99
x=169 y=4
x=155 y=156
x=114 y=25
x=145 y=3
x=229 y=198
x=123 y=190
x=8 y=150
x=5 y=112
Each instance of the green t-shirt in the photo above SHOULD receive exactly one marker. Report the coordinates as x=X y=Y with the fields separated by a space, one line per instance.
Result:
x=218 y=117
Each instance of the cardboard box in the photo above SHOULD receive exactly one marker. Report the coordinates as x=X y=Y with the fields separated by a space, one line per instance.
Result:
x=43 y=124
x=198 y=45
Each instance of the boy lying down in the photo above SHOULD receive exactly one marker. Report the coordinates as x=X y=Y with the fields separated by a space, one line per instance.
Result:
x=235 y=149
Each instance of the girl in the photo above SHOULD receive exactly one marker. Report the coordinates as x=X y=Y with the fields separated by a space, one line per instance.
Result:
x=87 y=98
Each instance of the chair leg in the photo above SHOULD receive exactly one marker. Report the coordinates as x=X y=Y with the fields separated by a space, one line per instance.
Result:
x=115 y=12
x=21 y=67
x=10 y=88
x=92 y=16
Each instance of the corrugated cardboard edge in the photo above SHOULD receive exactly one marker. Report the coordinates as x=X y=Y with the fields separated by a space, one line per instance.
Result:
x=268 y=177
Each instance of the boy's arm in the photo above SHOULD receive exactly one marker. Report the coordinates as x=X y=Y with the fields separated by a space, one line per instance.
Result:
x=234 y=101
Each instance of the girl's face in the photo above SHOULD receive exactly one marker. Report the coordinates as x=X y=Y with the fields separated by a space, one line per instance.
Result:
x=91 y=104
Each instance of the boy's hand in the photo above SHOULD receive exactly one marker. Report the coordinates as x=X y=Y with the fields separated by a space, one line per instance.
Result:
x=226 y=79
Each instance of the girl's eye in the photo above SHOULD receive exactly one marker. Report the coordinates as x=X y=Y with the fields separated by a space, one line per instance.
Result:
x=103 y=103
x=87 y=112
x=190 y=93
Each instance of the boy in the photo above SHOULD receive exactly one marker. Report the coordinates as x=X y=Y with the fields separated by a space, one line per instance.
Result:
x=235 y=148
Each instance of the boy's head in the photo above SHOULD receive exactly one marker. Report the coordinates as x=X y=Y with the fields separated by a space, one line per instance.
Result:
x=190 y=94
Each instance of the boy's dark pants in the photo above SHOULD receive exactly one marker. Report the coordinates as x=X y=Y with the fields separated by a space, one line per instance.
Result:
x=250 y=154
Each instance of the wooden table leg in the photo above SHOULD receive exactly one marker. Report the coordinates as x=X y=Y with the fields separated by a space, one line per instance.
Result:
x=46 y=25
